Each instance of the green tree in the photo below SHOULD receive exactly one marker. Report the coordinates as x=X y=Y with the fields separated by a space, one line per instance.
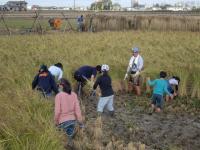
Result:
x=103 y=5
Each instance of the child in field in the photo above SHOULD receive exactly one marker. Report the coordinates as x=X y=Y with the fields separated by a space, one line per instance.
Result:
x=159 y=88
x=107 y=94
x=56 y=71
x=173 y=84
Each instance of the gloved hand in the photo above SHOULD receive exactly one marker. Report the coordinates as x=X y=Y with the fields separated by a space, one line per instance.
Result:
x=81 y=125
x=126 y=76
x=93 y=93
x=137 y=73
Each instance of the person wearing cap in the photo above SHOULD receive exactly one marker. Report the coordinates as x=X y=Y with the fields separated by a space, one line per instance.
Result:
x=86 y=73
x=105 y=83
x=44 y=82
x=134 y=68
x=56 y=70
x=173 y=84
x=67 y=110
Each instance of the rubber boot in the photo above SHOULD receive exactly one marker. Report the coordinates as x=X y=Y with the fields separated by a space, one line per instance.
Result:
x=130 y=87
x=151 y=109
x=112 y=113
x=137 y=90
x=99 y=114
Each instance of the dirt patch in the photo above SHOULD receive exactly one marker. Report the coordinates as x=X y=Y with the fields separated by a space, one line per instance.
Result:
x=132 y=123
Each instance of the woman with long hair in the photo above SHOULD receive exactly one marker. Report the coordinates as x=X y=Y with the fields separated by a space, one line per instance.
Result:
x=67 y=109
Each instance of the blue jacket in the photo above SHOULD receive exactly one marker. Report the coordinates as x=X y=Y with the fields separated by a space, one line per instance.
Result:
x=45 y=81
x=87 y=71
x=80 y=19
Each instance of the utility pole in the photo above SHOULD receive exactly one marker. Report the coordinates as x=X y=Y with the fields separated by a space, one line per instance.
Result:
x=74 y=4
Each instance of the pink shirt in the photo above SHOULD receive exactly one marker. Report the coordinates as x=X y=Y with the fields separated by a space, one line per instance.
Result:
x=67 y=108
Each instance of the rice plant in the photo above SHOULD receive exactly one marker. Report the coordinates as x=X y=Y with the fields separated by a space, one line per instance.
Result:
x=27 y=119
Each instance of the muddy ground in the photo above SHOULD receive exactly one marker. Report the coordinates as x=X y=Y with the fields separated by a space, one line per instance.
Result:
x=132 y=122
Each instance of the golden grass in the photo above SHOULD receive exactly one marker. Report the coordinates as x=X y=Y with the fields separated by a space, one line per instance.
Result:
x=144 y=22
x=27 y=120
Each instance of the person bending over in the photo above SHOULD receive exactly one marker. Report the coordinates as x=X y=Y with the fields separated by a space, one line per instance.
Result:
x=159 y=88
x=173 y=84
x=44 y=82
x=86 y=74
x=56 y=70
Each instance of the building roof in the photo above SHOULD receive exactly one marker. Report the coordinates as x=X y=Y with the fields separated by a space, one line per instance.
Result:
x=24 y=2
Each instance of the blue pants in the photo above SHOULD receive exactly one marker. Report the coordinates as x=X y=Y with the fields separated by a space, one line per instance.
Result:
x=170 y=89
x=157 y=100
x=68 y=127
x=80 y=26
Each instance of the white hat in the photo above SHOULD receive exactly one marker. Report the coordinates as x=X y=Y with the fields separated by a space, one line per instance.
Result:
x=104 y=67
x=173 y=81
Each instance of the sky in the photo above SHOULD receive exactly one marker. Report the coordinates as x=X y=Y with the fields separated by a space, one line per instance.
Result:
x=81 y=3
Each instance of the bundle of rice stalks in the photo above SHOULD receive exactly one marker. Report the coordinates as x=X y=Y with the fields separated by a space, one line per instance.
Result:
x=109 y=146
x=82 y=140
x=183 y=87
x=195 y=86
x=98 y=134
x=131 y=146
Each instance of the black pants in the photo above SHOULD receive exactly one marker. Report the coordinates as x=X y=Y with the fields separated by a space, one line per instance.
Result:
x=78 y=77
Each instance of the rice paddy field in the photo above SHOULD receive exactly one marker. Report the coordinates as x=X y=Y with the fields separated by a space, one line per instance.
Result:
x=26 y=121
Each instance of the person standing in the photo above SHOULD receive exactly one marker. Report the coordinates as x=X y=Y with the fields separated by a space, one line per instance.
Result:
x=105 y=83
x=133 y=71
x=80 y=23
x=67 y=110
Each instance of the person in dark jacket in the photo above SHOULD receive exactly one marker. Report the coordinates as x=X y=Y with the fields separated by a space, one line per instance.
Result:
x=44 y=82
x=105 y=83
x=80 y=23
x=85 y=74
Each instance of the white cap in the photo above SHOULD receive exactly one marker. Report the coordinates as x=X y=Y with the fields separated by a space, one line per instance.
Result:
x=104 y=67
x=173 y=81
